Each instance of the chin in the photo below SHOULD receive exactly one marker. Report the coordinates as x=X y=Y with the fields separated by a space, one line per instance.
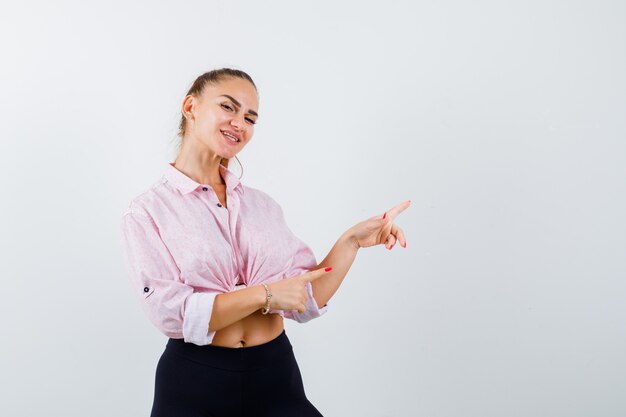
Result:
x=229 y=155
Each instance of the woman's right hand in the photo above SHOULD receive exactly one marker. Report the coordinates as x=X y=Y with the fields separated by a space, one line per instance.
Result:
x=291 y=293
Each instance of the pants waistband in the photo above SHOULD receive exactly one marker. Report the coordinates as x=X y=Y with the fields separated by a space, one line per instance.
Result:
x=234 y=359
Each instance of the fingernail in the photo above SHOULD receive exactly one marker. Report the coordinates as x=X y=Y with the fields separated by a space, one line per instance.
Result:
x=385 y=215
x=390 y=247
x=404 y=246
x=328 y=269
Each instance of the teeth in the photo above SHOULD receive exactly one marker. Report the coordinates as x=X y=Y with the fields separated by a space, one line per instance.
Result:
x=232 y=138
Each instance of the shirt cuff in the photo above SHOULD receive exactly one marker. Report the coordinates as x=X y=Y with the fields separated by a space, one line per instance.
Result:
x=198 y=310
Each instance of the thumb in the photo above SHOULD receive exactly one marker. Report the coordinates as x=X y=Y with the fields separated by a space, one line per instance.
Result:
x=315 y=274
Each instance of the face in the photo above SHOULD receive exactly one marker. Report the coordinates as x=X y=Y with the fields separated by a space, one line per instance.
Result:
x=225 y=112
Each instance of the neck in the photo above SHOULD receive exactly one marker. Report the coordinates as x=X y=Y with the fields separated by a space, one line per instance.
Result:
x=201 y=165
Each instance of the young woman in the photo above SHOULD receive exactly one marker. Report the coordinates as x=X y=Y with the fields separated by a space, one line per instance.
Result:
x=217 y=269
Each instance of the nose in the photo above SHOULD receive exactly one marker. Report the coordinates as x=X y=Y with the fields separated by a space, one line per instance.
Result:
x=238 y=123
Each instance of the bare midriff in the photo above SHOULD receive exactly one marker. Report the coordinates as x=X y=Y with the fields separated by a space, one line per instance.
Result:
x=255 y=329
x=252 y=330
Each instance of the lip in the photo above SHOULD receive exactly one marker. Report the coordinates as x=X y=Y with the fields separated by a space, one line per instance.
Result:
x=230 y=132
x=229 y=142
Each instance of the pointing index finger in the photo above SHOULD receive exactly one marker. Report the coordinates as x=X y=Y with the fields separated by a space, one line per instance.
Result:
x=391 y=214
x=315 y=274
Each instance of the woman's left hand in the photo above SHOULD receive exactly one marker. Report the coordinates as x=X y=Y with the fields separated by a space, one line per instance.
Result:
x=380 y=229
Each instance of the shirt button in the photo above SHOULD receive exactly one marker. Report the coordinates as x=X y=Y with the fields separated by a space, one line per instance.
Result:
x=146 y=289
x=204 y=188
x=219 y=205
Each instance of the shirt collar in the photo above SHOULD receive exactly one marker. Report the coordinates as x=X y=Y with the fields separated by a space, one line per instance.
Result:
x=187 y=185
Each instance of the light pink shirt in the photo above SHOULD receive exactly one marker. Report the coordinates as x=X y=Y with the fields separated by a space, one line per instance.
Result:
x=183 y=248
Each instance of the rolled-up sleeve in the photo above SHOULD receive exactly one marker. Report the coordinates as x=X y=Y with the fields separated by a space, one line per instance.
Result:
x=171 y=305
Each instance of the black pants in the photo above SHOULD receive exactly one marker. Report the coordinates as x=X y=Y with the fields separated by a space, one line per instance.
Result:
x=217 y=381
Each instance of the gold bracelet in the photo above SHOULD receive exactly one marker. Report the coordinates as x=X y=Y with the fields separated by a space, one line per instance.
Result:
x=266 y=309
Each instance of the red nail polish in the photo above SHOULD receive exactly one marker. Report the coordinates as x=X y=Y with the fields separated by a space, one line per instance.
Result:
x=391 y=247
x=385 y=215
x=404 y=246
x=328 y=269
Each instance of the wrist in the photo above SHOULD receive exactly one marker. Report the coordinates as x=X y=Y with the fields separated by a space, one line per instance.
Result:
x=268 y=299
x=262 y=296
x=349 y=239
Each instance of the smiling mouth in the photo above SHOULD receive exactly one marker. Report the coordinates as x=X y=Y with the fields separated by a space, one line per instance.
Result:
x=230 y=138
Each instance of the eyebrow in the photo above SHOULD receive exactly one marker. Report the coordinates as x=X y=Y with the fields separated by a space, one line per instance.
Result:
x=239 y=104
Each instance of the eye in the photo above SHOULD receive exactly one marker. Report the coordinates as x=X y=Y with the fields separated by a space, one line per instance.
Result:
x=227 y=106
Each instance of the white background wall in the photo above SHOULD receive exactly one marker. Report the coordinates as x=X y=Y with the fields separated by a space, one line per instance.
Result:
x=503 y=122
